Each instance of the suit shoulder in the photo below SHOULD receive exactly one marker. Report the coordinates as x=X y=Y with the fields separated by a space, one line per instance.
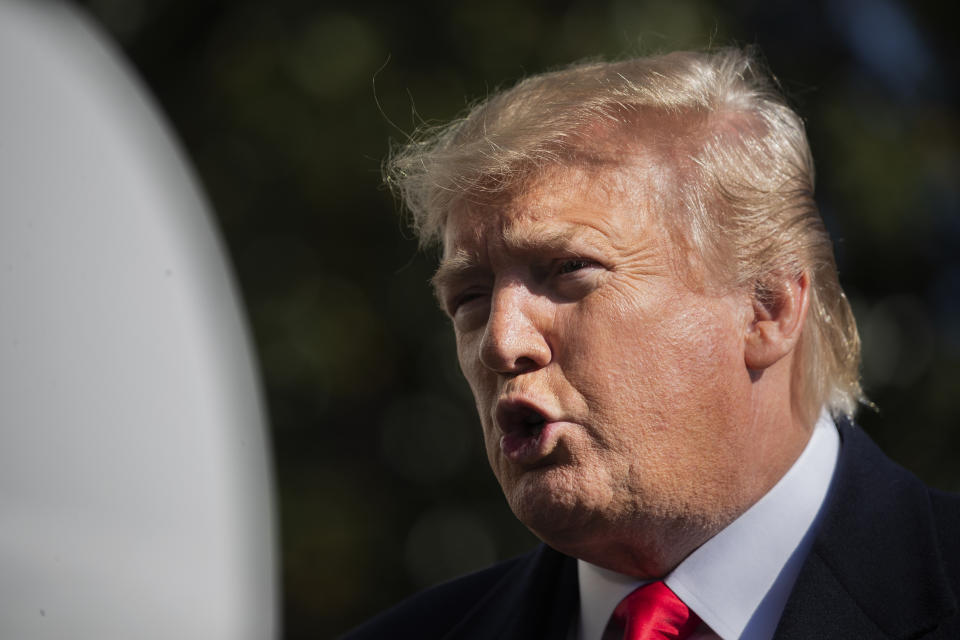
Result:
x=946 y=514
x=432 y=613
x=946 y=506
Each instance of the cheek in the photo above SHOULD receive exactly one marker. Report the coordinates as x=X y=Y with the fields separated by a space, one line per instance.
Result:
x=609 y=346
x=467 y=356
x=481 y=381
x=626 y=359
x=708 y=342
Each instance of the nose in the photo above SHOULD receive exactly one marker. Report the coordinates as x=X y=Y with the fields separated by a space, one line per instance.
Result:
x=514 y=339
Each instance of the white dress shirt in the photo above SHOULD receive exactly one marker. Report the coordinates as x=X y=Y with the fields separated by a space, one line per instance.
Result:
x=739 y=580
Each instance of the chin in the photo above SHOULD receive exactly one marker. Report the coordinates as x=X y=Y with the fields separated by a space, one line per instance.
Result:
x=557 y=505
x=579 y=514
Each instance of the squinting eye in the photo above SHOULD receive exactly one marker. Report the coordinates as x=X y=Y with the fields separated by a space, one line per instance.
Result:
x=569 y=266
x=462 y=299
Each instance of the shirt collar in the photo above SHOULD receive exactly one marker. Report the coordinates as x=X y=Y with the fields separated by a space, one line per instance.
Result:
x=739 y=580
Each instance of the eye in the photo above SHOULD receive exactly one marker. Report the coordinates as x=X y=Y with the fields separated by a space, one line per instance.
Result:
x=463 y=299
x=573 y=264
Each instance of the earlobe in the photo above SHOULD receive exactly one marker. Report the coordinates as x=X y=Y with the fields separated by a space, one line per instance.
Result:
x=779 y=312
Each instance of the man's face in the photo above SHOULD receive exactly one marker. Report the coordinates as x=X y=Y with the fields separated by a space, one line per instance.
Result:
x=607 y=387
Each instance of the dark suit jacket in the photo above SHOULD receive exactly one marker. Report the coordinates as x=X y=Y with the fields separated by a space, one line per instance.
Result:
x=885 y=563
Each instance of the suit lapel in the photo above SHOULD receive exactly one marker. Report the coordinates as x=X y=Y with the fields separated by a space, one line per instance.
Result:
x=535 y=600
x=875 y=569
x=821 y=607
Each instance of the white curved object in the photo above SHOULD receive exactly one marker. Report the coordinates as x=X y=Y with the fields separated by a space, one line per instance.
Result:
x=135 y=497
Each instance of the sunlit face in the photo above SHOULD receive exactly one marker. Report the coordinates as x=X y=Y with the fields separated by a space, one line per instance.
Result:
x=609 y=391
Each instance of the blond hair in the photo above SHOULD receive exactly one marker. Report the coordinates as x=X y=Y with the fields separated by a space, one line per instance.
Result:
x=743 y=173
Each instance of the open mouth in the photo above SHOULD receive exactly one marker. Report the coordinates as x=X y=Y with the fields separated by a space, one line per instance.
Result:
x=529 y=432
x=520 y=420
x=532 y=423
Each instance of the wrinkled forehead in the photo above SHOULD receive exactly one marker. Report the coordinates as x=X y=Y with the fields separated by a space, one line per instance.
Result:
x=639 y=153
x=554 y=203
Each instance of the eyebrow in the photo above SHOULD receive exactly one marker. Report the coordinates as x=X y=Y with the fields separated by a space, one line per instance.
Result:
x=466 y=264
x=453 y=269
x=539 y=239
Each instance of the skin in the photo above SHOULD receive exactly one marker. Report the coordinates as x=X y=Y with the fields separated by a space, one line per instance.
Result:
x=668 y=396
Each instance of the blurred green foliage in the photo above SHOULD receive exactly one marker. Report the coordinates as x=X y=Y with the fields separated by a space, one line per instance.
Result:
x=288 y=107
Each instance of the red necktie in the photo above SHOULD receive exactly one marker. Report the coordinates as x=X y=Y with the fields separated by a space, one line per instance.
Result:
x=654 y=612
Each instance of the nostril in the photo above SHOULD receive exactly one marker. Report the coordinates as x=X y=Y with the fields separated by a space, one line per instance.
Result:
x=522 y=365
x=516 y=351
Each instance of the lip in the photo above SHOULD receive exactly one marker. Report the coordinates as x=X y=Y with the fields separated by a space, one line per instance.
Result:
x=524 y=441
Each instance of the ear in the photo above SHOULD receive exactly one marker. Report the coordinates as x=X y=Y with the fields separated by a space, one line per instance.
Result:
x=779 y=312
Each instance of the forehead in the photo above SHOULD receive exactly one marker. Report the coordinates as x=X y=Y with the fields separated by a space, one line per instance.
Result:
x=554 y=207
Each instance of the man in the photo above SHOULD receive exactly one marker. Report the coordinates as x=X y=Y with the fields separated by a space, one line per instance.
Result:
x=647 y=311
